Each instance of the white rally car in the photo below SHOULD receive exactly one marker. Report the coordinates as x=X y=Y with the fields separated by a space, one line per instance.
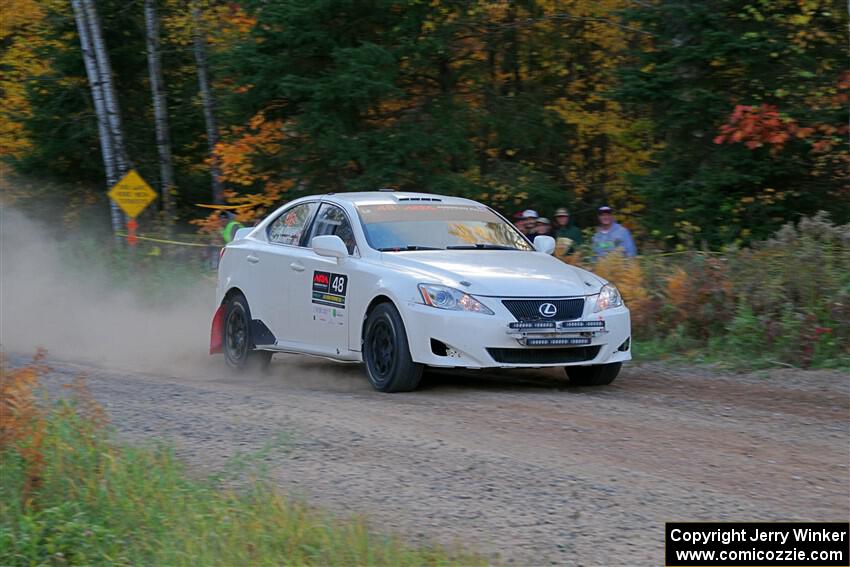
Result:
x=402 y=281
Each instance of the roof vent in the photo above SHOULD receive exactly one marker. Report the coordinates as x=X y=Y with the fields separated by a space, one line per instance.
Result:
x=420 y=199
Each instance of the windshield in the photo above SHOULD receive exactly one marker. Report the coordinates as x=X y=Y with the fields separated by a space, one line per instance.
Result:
x=397 y=227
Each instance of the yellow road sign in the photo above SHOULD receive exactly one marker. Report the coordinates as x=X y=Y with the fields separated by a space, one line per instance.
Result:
x=132 y=194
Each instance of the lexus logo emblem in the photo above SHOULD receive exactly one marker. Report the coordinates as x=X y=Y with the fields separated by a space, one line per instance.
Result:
x=548 y=309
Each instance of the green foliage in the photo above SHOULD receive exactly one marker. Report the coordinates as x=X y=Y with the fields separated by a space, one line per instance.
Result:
x=62 y=534
x=98 y=503
x=707 y=57
x=746 y=334
x=465 y=98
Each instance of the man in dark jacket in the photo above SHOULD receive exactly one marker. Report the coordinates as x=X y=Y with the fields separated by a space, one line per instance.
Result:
x=567 y=235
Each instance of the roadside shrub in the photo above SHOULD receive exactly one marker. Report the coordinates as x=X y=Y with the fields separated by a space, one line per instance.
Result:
x=785 y=300
x=746 y=335
x=628 y=276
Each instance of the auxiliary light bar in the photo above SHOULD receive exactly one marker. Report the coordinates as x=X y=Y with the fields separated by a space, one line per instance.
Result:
x=524 y=325
x=580 y=324
x=561 y=341
x=533 y=325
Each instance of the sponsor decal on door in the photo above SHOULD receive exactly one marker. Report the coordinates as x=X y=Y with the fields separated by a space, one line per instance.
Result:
x=330 y=289
x=329 y=315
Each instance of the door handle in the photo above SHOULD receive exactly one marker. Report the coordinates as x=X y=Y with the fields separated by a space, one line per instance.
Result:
x=251 y=258
x=298 y=267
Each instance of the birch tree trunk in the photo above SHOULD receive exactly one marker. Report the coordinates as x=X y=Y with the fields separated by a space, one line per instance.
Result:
x=107 y=149
x=105 y=73
x=208 y=103
x=160 y=112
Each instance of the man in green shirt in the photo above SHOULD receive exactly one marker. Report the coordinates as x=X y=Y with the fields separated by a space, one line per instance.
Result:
x=229 y=230
x=567 y=235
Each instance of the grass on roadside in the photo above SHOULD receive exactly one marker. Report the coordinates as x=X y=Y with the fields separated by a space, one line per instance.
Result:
x=722 y=354
x=71 y=496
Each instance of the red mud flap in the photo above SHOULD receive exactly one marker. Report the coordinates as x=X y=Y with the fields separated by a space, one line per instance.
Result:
x=217 y=331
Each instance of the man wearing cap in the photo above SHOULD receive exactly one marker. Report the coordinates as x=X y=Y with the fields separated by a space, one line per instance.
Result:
x=529 y=223
x=567 y=235
x=544 y=227
x=610 y=235
x=518 y=221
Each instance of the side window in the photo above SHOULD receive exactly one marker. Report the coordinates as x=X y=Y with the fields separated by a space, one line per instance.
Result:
x=289 y=226
x=332 y=220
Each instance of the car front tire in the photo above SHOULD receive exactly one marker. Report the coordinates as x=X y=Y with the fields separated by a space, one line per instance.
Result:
x=386 y=352
x=239 y=352
x=596 y=375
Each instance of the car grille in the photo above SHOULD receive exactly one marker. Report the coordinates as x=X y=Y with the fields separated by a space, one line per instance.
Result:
x=543 y=355
x=529 y=309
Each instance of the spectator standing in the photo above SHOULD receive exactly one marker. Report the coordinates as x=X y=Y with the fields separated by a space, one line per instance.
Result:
x=567 y=235
x=230 y=228
x=518 y=221
x=610 y=235
x=544 y=227
x=529 y=223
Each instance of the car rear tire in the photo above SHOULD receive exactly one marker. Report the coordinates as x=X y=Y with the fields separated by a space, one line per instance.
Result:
x=386 y=352
x=596 y=375
x=239 y=351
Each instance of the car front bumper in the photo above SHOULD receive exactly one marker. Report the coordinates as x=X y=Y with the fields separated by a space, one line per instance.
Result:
x=454 y=339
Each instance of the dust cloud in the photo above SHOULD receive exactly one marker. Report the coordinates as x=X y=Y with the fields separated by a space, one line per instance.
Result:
x=80 y=315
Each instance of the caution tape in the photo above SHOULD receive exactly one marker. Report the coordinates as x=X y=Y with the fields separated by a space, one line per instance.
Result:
x=698 y=252
x=223 y=207
x=175 y=242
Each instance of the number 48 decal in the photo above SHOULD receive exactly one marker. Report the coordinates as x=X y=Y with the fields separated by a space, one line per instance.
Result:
x=329 y=289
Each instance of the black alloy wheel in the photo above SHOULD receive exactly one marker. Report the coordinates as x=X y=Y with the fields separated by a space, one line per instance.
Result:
x=386 y=352
x=382 y=349
x=239 y=352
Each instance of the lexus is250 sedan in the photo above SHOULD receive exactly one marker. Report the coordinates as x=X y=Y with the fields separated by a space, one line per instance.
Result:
x=403 y=281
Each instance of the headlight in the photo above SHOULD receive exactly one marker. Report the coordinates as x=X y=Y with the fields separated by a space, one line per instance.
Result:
x=608 y=297
x=443 y=297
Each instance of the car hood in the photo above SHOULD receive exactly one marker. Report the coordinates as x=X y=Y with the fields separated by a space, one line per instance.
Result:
x=497 y=273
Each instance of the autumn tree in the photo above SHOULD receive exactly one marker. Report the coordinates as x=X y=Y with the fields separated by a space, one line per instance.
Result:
x=749 y=102
x=21 y=37
x=504 y=102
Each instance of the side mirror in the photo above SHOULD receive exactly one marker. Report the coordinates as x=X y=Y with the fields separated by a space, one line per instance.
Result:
x=329 y=245
x=242 y=232
x=545 y=244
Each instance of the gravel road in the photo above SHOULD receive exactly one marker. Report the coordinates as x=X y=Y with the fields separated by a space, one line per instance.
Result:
x=515 y=465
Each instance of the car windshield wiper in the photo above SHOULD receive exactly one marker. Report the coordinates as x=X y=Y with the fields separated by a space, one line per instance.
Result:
x=406 y=248
x=481 y=246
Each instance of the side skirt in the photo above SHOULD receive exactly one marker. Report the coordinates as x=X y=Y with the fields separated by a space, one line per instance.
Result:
x=262 y=335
